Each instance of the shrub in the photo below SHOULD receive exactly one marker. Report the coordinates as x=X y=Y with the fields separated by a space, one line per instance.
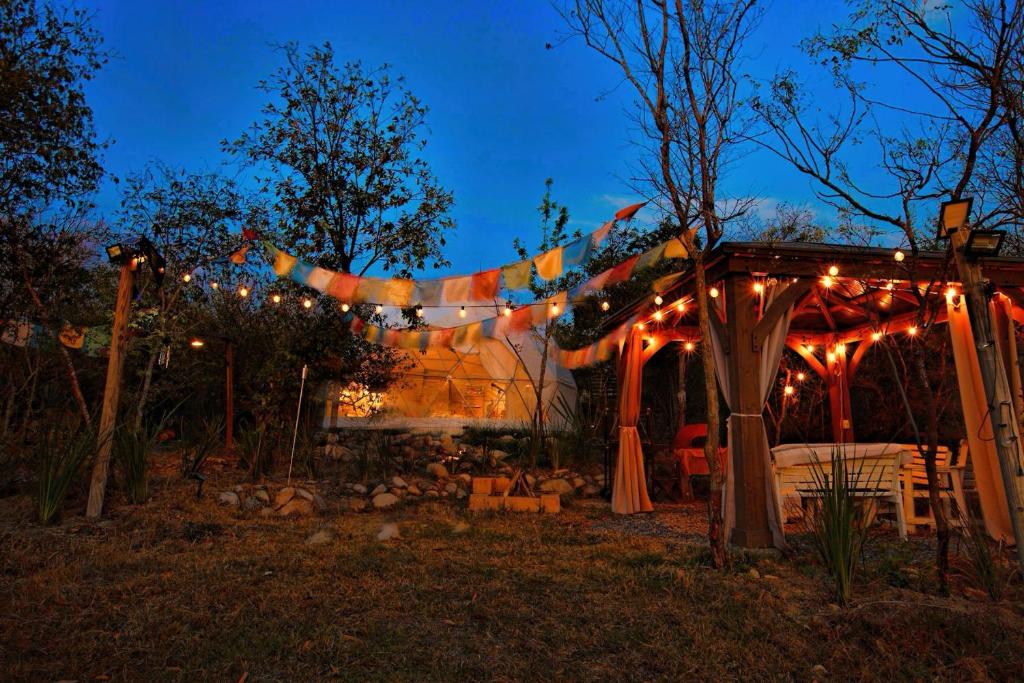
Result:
x=131 y=454
x=60 y=455
x=200 y=446
x=985 y=566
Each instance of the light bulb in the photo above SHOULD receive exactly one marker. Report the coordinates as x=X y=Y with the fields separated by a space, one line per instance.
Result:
x=713 y=292
x=196 y=343
x=658 y=300
x=788 y=390
x=186 y=277
x=841 y=349
x=688 y=346
x=800 y=377
x=462 y=312
x=344 y=308
x=809 y=348
x=680 y=306
x=276 y=298
x=605 y=305
x=639 y=326
x=833 y=271
x=951 y=294
x=378 y=309
x=831 y=357
x=912 y=330
x=307 y=303
x=419 y=311
x=214 y=285
x=899 y=256
x=554 y=309
x=889 y=286
x=826 y=281
x=758 y=288
x=508 y=309
x=658 y=315
x=243 y=291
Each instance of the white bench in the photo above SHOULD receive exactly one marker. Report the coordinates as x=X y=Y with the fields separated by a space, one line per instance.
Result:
x=875 y=470
x=951 y=484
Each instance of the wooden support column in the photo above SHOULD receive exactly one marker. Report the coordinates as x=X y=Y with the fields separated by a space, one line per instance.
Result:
x=112 y=389
x=749 y=447
x=838 y=378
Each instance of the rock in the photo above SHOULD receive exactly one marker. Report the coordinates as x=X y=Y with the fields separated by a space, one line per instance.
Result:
x=464 y=478
x=818 y=671
x=448 y=444
x=506 y=439
x=238 y=488
x=559 y=486
x=283 y=496
x=297 y=507
x=591 y=490
x=578 y=482
x=388 y=532
x=380 y=488
x=321 y=537
x=359 y=488
x=498 y=455
x=262 y=495
x=303 y=493
x=398 y=483
x=432 y=494
x=229 y=498
x=383 y=501
x=437 y=470
x=266 y=512
x=413 y=490
x=753 y=573
x=353 y=504
x=451 y=487
x=253 y=503
x=559 y=472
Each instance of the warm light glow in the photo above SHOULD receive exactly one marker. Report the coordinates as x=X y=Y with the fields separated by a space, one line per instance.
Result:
x=658 y=315
x=841 y=349
x=243 y=291
x=809 y=348
x=307 y=303
x=689 y=346
x=639 y=326
x=419 y=311
x=681 y=306
x=831 y=357
x=605 y=305
x=713 y=292
x=875 y=336
x=378 y=309
x=800 y=377
x=214 y=285
x=276 y=298
x=912 y=330
x=889 y=286
x=649 y=340
x=758 y=288
x=788 y=390
x=186 y=277
x=833 y=271
x=508 y=310
x=826 y=281
x=344 y=308
x=462 y=312
x=196 y=343
x=554 y=309
x=951 y=294
x=899 y=256
x=658 y=300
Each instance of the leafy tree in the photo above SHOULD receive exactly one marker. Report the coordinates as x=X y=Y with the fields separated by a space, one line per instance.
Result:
x=341 y=146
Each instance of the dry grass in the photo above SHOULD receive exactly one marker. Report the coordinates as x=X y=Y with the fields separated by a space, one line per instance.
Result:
x=180 y=589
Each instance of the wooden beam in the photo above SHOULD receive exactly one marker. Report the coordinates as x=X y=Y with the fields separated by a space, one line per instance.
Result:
x=808 y=357
x=777 y=308
x=823 y=308
x=839 y=397
x=858 y=355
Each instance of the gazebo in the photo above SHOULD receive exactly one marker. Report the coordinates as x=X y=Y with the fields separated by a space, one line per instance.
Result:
x=828 y=303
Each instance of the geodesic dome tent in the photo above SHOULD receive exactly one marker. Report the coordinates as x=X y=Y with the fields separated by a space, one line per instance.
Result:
x=491 y=382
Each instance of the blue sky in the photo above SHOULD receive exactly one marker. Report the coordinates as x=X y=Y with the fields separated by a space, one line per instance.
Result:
x=505 y=113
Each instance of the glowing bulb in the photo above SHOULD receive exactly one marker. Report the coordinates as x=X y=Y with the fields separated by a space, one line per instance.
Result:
x=508 y=309
x=658 y=300
x=889 y=286
x=788 y=390
x=899 y=256
x=841 y=349
x=713 y=292
x=554 y=309
x=800 y=377
x=243 y=291
x=912 y=330
x=826 y=281
x=605 y=305
x=186 y=277
x=462 y=312
x=758 y=288
x=833 y=271
x=831 y=357
x=680 y=306
x=419 y=311
x=875 y=336
x=688 y=346
x=639 y=326
x=214 y=285
x=344 y=308
x=196 y=343
x=658 y=315
x=951 y=294
x=307 y=303
x=276 y=298
x=809 y=348
x=378 y=309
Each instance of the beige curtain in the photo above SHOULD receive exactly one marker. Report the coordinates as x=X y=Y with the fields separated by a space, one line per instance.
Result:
x=1006 y=340
x=980 y=441
x=629 y=494
x=771 y=355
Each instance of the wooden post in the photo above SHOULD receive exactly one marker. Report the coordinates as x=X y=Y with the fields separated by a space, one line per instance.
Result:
x=997 y=386
x=112 y=389
x=838 y=378
x=229 y=396
x=747 y=429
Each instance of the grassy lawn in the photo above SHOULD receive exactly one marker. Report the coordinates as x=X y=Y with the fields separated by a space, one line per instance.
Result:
x=180 y=589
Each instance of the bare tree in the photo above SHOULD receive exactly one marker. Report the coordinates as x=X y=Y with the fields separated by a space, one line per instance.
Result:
x=681 y=59
x=953 y=109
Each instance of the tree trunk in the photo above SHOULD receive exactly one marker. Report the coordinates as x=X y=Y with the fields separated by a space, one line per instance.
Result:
x=147 y=380
x=930 y=450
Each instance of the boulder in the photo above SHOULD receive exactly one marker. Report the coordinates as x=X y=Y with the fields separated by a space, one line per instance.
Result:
x=353 y=504
x=262 y=495
x=283 y=496
x=414 y=490
x=358 y=488
x=559 y=486
x=319 y=504
x=252 y=503
x=437 y=470
x=296 y=507
x=304 y=493
x=229 y=498
x=321 y=537
x=464 y=478
x=398 y=483
x=451 y=487
x=578 y=482
x=432 y=494
x=591 y=490
x=531 y=480
x=498 y=455
x=388 y=532
x=380 y=488
x=383 y=501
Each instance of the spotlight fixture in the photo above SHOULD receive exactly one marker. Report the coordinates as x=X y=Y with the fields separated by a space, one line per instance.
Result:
x=116 y=253
x=196 y=343
x=953 y=215
x=984 y=243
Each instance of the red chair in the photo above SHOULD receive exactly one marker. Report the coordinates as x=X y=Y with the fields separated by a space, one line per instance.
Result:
x=687 y=435
x=688 y=450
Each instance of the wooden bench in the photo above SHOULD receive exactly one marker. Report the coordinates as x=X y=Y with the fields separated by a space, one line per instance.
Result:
x=951 y=484
x=875 y=478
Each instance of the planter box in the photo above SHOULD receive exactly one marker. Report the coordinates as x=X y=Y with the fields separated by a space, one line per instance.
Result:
x=483 y=485
x=499 y=485
x=550 y=503
x=479 y=502
x=522 y=504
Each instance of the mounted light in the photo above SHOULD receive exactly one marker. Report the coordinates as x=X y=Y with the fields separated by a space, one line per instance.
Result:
x=214 y=285
x=826 y=281
x=875 y=336
x=508 y=309
x=912 y=330
x=658 y=315
x=554 y=308
x=243 y=291
x=800 y=377
x=788 y=390
x=419 y=311
x=115 y=253
x=462 y=312
x=953 y=215
x=833 y=271
x=196 y=343
x=681 y=306
x=984 y=243
x=186 y=277
x=758 y=288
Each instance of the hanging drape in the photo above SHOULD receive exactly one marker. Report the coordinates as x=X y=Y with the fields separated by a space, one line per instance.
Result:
x=771 y=355
x=1006 y=340
x=629 y=494
x=980 y=442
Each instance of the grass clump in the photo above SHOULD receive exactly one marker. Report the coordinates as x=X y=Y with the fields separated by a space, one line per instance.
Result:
x=60 y=456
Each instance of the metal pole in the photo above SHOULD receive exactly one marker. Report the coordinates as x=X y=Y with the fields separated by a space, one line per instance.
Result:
x=298 y=411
